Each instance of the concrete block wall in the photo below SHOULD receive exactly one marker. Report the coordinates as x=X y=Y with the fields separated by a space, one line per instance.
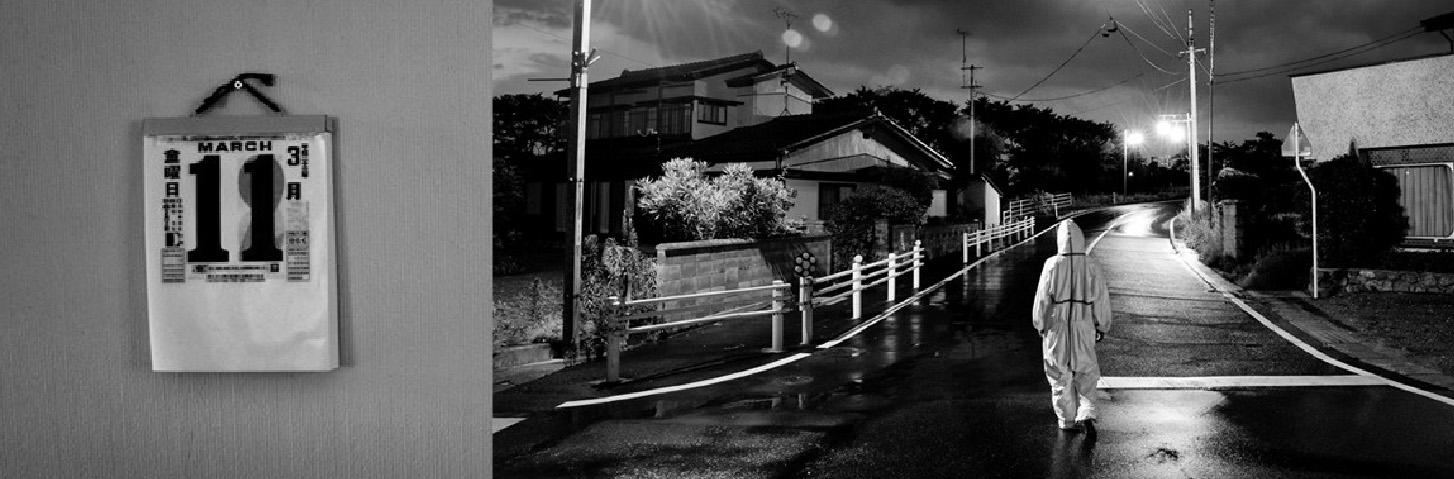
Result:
x=717 y=265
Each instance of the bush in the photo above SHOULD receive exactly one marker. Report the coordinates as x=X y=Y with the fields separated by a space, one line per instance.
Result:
x=851 y=221
x=685 y=205
x=606 y=270
x=1280 y=269
x=756 y=207
x=1359 y=217
x=1196 y=230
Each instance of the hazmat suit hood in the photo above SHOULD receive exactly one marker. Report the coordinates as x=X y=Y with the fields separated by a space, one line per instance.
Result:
x=1069 y=238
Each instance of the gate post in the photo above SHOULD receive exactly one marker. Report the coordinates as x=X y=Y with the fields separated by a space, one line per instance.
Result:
x=613 y=346
x=857 y=285
x=892 y=267
x=918 y=262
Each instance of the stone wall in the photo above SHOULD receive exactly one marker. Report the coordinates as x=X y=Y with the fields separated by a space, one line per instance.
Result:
x=1365 y=280
x=716 y=265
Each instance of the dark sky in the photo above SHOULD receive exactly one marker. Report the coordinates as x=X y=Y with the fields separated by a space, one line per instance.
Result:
x=912 y=44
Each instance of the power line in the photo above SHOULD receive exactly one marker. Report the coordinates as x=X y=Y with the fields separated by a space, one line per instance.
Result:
x=1157 y=21
x=1148 y=42
x=1355 y=47
x=1143 y=56
x=1062 y=64
x=1084 y=93
x=1288 y=69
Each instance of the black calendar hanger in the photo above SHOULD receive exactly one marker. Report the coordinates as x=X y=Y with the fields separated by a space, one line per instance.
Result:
x=240 y=82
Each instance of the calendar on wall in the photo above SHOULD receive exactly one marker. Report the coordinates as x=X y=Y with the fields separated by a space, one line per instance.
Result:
x=240 y=266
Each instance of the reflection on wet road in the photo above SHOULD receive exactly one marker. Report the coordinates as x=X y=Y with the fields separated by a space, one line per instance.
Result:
x=952 y=387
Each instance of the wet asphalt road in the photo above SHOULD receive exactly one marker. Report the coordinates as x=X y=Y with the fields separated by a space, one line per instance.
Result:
x=951 y=387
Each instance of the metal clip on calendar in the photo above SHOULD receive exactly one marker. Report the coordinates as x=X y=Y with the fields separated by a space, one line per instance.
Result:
x=240 y=82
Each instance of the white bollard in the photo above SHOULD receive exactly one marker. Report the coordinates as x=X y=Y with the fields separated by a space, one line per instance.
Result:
x=918 y=262
x=964 y=248
x=777 y=318
x=893 y=260
x=857 y=284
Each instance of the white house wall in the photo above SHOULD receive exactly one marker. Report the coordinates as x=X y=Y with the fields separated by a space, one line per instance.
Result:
x=1395 y=104
x=767 y=100
x=845 y=152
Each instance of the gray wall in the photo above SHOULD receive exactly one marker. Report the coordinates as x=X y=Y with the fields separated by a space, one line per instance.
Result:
x=409 y=84
x=1393 y=104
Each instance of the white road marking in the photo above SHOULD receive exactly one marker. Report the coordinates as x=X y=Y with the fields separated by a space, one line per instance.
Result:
x=1207 y=382
x=1305 y=346
x=682 y=387
x=791 y=359
x=500 y=423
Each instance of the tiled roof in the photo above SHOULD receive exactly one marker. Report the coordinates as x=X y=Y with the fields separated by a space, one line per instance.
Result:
x=682 y=72
x=765 y=141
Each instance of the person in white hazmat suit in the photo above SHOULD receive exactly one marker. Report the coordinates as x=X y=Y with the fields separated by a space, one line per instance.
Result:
x=1072 y=312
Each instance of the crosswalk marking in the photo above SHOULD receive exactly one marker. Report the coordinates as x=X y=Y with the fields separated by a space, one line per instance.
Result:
x=1209 y=382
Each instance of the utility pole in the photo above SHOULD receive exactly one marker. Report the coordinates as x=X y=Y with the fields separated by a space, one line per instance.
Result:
x=964 y=67
x=575 y=171
x=1211 y=90
x=1191 y=62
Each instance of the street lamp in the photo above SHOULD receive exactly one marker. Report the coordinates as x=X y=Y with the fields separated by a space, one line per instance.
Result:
x=1128 y=138
x=1167 y=126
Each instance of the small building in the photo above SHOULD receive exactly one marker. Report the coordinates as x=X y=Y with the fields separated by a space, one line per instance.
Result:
x=737 y=109
x=1399 y=115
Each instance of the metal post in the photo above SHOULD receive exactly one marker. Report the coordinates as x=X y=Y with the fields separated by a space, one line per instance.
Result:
x=778 y=293
x=575 y=172
x=978 y=244
x=1296 y=149
x=893 y=260
x=613 y=347
x=857 y=285
x=805 y=307
x=964 y=248
x=918 y=262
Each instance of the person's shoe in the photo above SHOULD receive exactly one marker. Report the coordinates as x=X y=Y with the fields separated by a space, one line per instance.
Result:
x=1071 y=427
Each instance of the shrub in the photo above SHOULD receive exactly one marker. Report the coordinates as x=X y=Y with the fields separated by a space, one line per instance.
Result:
x=1280 y=268
x=851 y=221
x=681 y=205
x=756 y=207
x=1197 y=232
x=1359 y=217
x=607 y=269
x=685 y=205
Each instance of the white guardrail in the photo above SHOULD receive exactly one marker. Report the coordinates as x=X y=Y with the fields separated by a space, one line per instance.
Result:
x=848 y=284
x=1001 y=233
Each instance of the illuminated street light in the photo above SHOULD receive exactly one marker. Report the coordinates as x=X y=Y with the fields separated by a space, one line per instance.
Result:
x=1129 y=138
x=1167 y=126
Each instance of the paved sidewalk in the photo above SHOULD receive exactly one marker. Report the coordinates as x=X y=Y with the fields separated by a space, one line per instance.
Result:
x=1297 y=312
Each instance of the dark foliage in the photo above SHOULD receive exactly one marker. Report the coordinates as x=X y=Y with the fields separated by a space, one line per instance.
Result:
x=1359 y=216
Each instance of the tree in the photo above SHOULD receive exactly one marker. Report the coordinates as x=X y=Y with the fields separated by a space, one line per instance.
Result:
x=1359 y=216
x=528 y=131
x=528 y=127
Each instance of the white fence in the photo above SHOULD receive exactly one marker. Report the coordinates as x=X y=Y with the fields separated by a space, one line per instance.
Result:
x=846 y=285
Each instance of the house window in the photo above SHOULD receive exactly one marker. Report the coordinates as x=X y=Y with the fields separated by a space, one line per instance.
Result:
x=639 y=124
x=674 y=119
x=714 y=114
x=830 y=194
x=593 y=126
